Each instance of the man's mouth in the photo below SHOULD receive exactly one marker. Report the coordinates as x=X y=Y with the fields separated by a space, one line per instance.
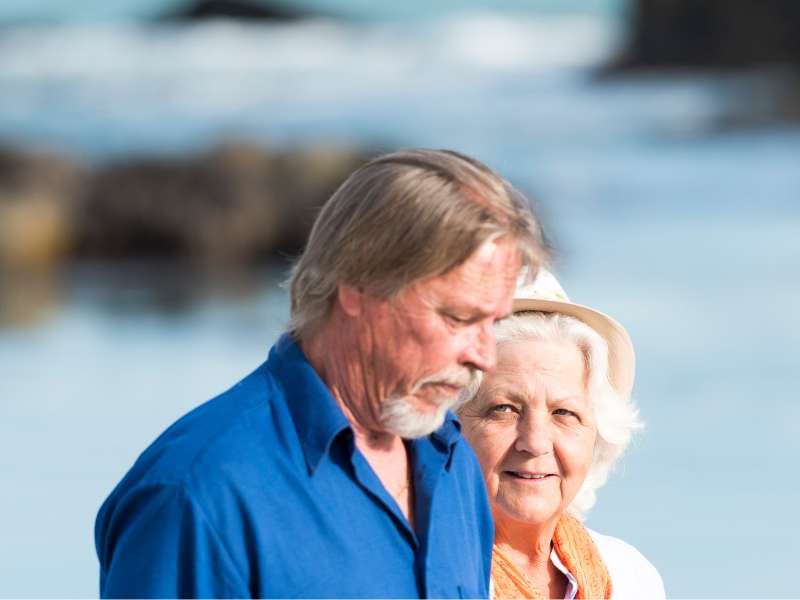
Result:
x=448 y=386
x=451 y=382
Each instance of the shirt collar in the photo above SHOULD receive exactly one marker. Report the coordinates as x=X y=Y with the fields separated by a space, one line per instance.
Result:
x=572 y=584
x=317 y=417
x=447 y=436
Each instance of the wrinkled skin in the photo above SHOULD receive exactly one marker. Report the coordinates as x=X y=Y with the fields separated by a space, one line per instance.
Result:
x=532 y=417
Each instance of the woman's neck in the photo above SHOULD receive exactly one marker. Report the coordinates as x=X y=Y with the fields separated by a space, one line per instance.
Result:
x=528 y=547
x=534 y=540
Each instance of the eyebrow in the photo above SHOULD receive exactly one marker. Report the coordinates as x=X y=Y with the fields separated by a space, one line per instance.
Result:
x=505 y=393
x=512 y=395
x=566 y=400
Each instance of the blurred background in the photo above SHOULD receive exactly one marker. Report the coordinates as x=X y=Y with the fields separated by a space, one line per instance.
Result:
x=161 y=161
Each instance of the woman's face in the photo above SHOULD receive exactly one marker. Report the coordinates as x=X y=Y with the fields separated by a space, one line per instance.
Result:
x=533 y=430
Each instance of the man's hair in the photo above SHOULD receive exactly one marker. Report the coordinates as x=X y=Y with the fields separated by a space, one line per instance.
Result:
x=403 y=217
x=615 y=415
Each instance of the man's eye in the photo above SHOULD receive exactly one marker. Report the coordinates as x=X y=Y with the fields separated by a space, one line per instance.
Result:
x=502 y=408
x=456 y=319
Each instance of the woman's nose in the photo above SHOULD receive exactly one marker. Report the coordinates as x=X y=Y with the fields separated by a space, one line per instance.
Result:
x=533 y=434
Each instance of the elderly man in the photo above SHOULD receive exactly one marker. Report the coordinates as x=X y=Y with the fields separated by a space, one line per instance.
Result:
x=336 y=469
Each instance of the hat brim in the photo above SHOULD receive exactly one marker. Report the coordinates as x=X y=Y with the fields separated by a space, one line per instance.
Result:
x=621 y=356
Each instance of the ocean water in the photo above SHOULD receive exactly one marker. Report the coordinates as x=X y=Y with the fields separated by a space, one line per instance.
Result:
x=686 y=232
x=100 y=11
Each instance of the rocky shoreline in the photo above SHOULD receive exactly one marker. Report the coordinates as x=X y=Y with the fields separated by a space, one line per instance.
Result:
x=755 y=40
x=715 y=34
x=240 y=10
x=235 y=205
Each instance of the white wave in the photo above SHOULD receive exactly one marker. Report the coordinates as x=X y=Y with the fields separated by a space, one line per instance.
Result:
x=516 y=89
x=483 y=41
x=490 y=41
x=72 y=82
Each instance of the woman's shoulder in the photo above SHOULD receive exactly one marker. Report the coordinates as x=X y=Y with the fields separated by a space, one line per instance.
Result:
x=632 y=575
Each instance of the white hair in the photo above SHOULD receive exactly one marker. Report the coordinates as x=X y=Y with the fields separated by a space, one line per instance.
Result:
x=615 y=415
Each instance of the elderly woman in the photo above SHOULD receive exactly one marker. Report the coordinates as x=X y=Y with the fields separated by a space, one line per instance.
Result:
x=547 y=425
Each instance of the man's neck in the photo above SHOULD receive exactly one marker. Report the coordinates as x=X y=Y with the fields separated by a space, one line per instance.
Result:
x=334 y=353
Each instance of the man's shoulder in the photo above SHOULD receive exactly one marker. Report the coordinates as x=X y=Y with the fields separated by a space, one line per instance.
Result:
x=217 y=435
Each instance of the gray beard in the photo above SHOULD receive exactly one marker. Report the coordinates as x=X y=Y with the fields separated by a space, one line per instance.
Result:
x=398 y=416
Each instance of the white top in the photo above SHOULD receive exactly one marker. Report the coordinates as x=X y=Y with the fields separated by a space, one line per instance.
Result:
x=632 y=575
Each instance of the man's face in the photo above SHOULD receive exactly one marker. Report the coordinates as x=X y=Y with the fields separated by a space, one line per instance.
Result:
x=424 y=345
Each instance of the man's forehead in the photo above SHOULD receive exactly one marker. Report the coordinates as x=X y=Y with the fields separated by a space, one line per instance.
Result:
x=494 y=249
x=499 y=261
x=486 y=284
x=485 y=280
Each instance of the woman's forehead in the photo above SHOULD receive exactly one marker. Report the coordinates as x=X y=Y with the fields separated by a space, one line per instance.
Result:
x=530 y=354
x=532 y=363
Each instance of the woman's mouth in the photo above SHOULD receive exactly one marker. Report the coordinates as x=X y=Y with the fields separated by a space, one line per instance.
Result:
x=528 y=475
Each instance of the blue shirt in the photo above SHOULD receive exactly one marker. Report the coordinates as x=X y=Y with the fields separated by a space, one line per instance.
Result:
x=262 y=492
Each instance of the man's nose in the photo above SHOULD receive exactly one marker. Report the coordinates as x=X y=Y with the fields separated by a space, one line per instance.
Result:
x=481 y=352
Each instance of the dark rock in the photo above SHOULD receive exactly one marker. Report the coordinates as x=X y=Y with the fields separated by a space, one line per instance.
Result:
x=23 y=169
x=38 y=192
x=712 y=34
x=246 y=10
x=237 y=204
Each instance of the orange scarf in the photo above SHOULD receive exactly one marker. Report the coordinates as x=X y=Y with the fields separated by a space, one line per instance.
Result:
x=577 y=551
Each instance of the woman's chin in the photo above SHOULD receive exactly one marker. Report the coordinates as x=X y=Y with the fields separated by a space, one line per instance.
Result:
x=530 y=513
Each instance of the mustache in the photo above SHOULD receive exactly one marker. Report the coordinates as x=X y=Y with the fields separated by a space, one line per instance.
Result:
x=459 y=377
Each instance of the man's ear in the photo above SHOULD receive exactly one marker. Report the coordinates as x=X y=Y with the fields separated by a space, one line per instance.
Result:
x=350 y=299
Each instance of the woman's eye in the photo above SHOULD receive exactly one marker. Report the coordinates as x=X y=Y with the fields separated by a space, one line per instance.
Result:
x=563 y=412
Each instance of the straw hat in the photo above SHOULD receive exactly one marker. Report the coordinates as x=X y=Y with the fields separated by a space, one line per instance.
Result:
x=545 y=294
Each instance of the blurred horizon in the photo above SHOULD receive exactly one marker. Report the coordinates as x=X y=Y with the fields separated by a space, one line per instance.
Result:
x=156 y=181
